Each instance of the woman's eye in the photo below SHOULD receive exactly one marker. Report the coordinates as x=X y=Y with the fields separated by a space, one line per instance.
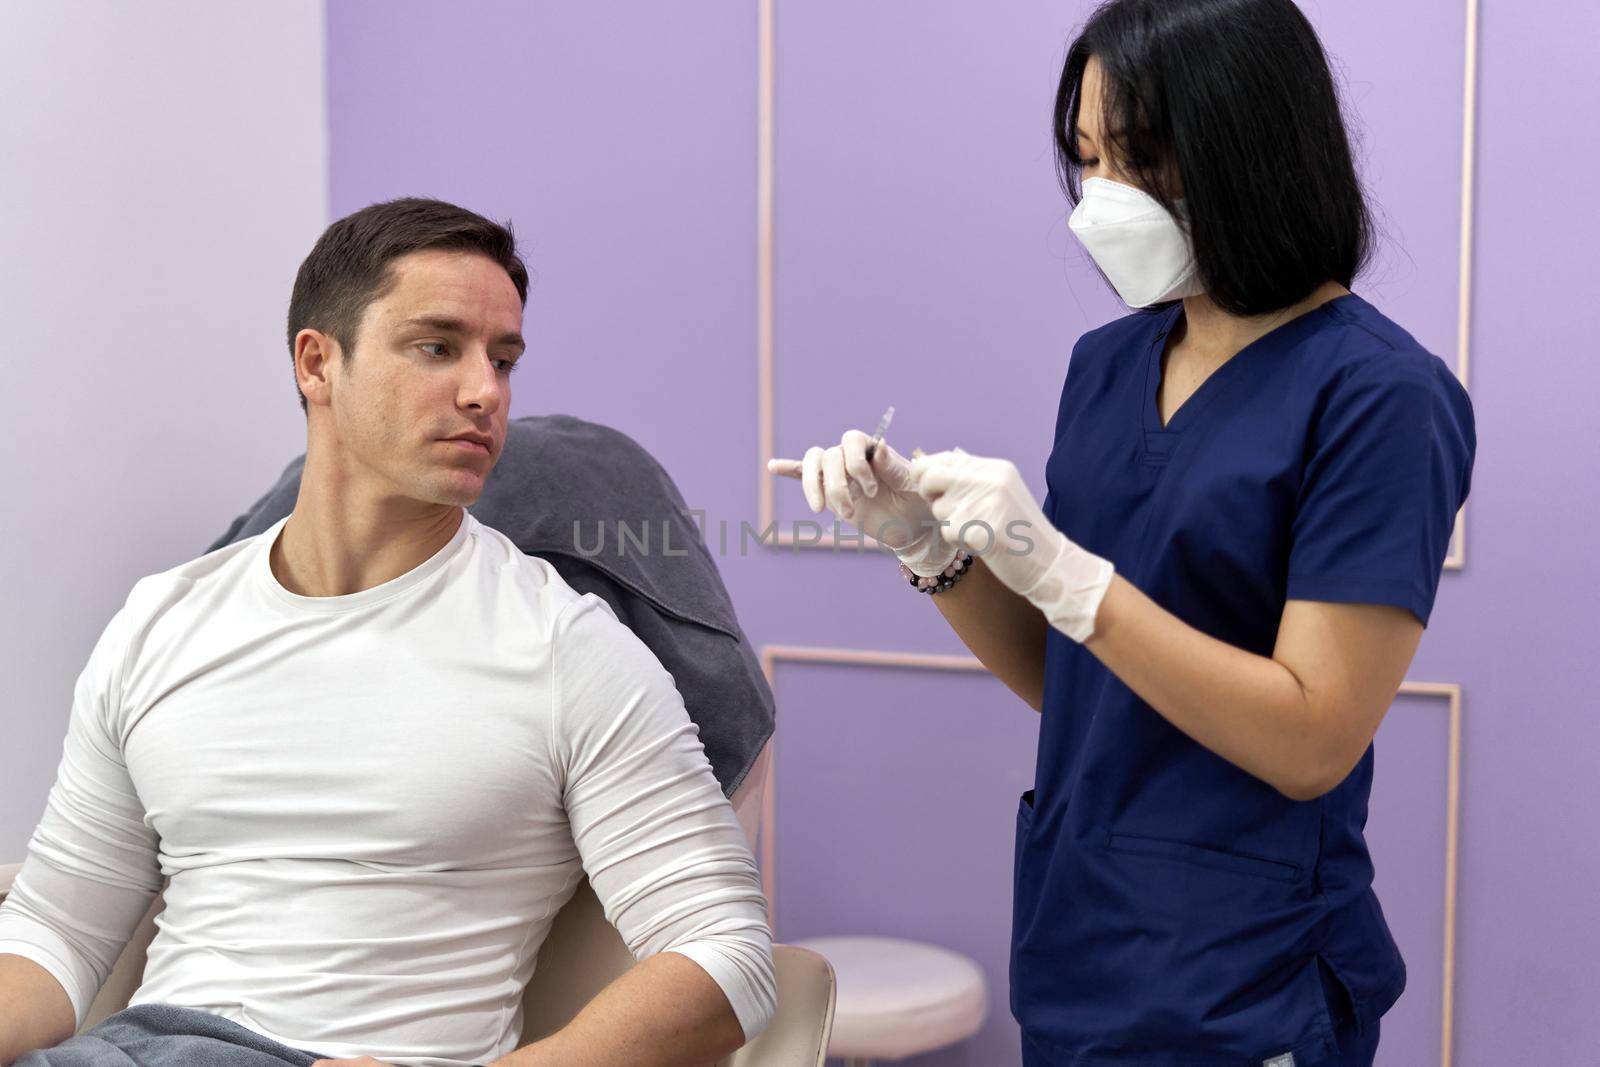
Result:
x=507 y=365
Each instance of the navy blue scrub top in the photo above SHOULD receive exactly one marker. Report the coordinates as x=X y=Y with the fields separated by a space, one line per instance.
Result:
x=1169 y=907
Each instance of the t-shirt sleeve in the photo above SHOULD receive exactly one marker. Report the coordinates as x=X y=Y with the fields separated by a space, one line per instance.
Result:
x=1389 y=467
x=662 y=847
x=91 y=870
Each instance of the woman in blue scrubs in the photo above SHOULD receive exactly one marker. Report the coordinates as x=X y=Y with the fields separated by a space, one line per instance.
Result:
x=1250 y=498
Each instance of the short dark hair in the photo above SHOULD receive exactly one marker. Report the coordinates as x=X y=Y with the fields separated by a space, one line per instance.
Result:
x=1234 y=99
x=349 y=267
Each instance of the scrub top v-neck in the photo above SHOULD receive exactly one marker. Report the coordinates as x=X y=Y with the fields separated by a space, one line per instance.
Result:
x=1171 y=909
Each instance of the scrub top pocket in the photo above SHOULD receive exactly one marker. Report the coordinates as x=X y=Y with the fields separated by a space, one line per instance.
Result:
x=1202 y=856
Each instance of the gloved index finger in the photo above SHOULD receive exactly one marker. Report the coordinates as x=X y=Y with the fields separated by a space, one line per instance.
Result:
x=811 y=478
x=854 y=447
x=785 y=468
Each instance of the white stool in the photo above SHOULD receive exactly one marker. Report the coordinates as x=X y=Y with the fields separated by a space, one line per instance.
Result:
x=900 y=998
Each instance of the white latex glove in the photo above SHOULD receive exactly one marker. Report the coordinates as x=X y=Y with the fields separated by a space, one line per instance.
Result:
x=879 y=498
x=989 y=511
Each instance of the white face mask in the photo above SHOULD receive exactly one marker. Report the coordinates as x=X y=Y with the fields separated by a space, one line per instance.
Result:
x=1136 y=243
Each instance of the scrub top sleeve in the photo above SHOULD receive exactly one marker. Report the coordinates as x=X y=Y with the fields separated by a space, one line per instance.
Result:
x=1076 y=369
x=1390 y=465
x=1074 y=361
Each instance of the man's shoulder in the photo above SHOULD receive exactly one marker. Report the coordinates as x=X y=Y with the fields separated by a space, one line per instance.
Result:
x=162 y=591
x=539 y=589
x=184 y=597
x=586 y=637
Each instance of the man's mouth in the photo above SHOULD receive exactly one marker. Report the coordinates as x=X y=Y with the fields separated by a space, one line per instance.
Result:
x=473 y=441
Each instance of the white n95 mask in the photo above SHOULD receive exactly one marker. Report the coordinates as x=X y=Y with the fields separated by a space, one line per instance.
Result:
x=1136 y=243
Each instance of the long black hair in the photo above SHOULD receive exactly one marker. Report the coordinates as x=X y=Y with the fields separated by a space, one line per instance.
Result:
x=1228 y=104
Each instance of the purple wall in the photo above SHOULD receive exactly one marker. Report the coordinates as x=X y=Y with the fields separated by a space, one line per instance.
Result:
x=921 y=243
x=617 y=137
x=1514 y=630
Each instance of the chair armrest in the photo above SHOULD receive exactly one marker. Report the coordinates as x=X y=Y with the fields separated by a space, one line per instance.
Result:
x=800 y=1028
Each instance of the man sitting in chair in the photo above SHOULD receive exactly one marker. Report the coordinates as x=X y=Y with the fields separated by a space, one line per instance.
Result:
x=374 y=748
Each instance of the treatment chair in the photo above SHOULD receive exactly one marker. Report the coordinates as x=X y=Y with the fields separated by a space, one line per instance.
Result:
x=581 y=956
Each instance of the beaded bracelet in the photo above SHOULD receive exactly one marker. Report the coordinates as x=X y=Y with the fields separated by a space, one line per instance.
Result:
x=938 y=583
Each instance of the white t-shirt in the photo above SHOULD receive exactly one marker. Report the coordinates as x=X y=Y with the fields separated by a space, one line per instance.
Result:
x=372 y=806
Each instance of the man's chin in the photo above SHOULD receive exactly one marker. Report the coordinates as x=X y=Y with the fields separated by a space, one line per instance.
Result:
x=458 y=488
x=463 y=498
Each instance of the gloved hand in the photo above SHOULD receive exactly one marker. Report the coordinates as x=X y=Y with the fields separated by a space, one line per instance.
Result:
x=879 y=498
x=989 y=511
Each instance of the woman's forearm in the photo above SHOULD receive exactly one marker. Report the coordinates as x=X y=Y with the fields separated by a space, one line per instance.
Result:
x=1002 y=629
x=1298 y=720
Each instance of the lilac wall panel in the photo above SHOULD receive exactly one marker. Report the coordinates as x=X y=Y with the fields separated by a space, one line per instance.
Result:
x=1520 y=633
x=923 y=258
x=880 y=828
x=1406 y=830
x=618 y=137
x=1402 y=89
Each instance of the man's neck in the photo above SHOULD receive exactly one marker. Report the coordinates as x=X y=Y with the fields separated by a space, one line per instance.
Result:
x=342 y=538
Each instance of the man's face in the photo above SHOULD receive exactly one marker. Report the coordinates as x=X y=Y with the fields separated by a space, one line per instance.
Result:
x=432 y=361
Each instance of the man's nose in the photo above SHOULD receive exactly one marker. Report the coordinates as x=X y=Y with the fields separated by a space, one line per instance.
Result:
x=481 y=387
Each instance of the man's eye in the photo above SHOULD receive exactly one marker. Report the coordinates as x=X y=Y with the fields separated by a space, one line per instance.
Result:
x=444 y=349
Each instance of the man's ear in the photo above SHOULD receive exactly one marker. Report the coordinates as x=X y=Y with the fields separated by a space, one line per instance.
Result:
x=314 y=354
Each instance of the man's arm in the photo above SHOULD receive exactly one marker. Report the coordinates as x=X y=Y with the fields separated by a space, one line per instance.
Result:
x=35 y=1012
x=89 y=876
x=665 y=855
x=666 y=1009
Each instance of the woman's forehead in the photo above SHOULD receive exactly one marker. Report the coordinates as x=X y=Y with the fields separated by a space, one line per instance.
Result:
x=1089 y=98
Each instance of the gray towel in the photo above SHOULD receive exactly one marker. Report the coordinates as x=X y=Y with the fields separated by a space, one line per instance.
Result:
x=160 y=1035
x=560 y=486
